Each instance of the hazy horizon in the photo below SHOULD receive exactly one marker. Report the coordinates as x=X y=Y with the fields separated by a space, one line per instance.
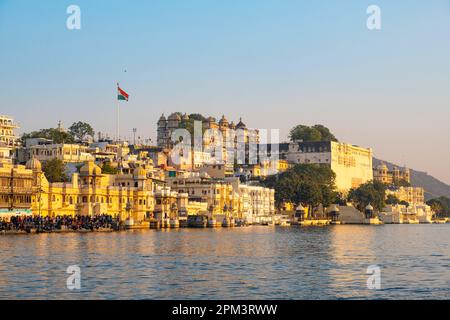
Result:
x=276 y=64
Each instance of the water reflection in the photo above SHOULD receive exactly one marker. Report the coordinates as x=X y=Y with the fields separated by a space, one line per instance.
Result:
x=240 y=263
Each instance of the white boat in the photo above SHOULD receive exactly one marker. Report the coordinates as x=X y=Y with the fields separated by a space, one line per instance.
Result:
x=284 y=223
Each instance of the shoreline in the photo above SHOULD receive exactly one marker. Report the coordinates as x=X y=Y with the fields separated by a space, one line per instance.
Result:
x=34 y=231
x=108 y=230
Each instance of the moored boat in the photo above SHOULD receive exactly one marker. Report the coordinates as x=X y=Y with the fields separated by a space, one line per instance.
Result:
x=197 y=221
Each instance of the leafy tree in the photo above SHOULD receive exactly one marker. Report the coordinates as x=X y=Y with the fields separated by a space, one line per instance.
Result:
x=108 y=169
x=404 y=203
x=341 y=199
x=440 y=205
x=372 y=192
x=308 y=184
x=55 y=170
x=305 y=133
x=53 y=134
x=317 y=132
x=401 y=183
x=325 y=133
x=80 y=130
x=197 y=116
x=189 y=124
x=391 y=199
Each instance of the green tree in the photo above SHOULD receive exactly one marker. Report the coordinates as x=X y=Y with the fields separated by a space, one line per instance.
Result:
x=55 y=170
x=189 y=123
x=52 y=134
x=197 y=116
x=404 y=203
x=304 y=133
x=341 y=199
x=371 y=192
x=440 y=205
x=108 y=169
x=401 y=183
x=325 y=133
x=308 y=184
x=317 y=132
x=391 y=199
x=80 y=130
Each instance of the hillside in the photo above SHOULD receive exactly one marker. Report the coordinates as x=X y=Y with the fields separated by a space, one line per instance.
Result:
x=433 y=187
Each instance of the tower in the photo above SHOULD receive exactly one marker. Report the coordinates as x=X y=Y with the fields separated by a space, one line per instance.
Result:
x=162 y=131
x=8 y=139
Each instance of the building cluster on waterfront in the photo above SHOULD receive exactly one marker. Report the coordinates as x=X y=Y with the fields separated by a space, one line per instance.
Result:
x=166 y=185
x=145 y=186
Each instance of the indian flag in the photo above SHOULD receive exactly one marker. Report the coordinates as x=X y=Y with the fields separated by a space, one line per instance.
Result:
x=121 y=95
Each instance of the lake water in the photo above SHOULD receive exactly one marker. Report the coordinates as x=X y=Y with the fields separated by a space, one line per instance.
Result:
x=240 y=263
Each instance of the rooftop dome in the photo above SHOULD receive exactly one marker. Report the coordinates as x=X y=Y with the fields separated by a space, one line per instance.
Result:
x=185 y=117
x=174 y=116
x=369 y=207
x=223 y=121
x=34 y=164
x=300 y=208
x=240 y=124
x=382 y=166
x=232 y=125
x=90 y=168
x=162 y=118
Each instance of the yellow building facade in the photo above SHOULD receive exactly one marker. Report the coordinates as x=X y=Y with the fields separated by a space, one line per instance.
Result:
x=88 y=193
x=63 y=152
x=16 y=187
x=412 y=195
x=383 y=174
x=227 y=197
x=351 y=164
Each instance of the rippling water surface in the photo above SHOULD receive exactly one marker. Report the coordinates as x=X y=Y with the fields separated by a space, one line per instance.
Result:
x=239 y=263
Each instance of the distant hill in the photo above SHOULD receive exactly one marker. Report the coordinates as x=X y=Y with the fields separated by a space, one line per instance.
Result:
x=433 y=187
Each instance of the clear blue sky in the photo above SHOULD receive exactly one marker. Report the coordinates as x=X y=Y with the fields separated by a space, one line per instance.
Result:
x=275 y=63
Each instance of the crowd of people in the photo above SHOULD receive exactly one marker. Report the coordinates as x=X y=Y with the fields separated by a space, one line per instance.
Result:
x=48 y=224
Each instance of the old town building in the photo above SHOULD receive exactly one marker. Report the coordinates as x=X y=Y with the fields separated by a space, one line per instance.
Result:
x=383 y=174
x=226 y=196
x=221 y=139
x=17 y=187
x=89 y=192
x=411 y=195
x=8 y=138
x=351 y=164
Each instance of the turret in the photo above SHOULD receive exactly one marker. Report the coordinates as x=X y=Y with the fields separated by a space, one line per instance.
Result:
x=368 y=211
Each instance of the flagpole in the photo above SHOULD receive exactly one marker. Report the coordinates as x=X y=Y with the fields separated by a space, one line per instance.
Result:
x=118 y=115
